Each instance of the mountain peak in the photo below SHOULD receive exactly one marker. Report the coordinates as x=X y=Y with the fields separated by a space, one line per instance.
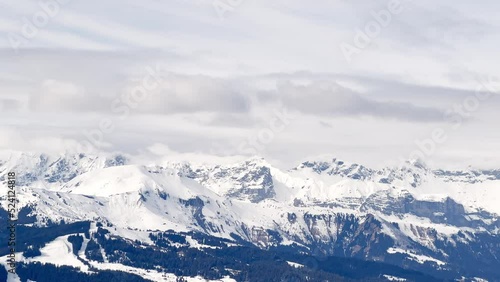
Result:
x=418 y=163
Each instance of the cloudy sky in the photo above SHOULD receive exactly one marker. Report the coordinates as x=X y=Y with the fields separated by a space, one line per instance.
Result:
x=367 y=81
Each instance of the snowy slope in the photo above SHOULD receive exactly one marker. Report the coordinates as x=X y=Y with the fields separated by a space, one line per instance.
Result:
x=60 y=252
x=326 y=206
x=50 y=171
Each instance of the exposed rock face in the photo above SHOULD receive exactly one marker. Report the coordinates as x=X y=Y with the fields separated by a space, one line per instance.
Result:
x=411 y=216
x=338 y=167
x=248 y=181
x=48 y=170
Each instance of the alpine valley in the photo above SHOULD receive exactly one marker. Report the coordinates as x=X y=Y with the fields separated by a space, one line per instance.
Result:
x=106 y=218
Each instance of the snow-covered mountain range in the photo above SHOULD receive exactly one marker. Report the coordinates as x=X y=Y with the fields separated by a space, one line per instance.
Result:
x=435 y=221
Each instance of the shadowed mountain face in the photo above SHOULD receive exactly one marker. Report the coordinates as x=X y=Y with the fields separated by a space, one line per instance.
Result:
x=442 y=223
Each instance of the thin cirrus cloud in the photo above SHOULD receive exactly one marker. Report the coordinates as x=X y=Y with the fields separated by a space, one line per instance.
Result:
x=331 y=99
x=191 y=94
x=175 y=94
x=223 y=79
